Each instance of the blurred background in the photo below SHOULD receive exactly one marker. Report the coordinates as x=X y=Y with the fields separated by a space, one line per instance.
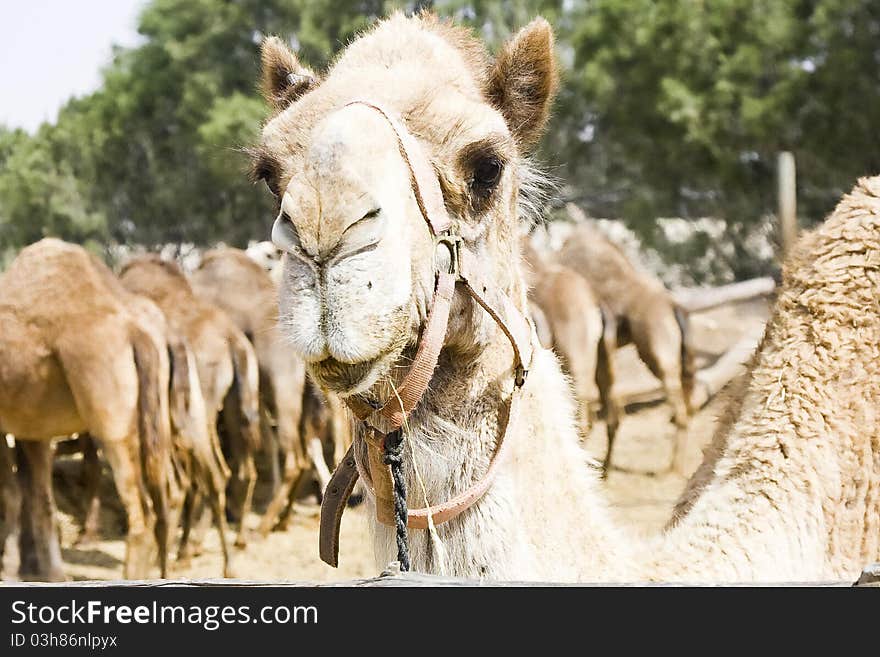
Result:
x=670 y=120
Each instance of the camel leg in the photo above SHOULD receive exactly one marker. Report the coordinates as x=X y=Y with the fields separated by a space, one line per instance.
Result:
x=270 y=446
x=28 y=566
x=245 y=467
x=341 y=430
x=679 y=451
x=287 y=512
x=217 y=501
x=127 y=477
x=91 y=475
x=315 y=449
x=47 y=546
x=184 y=549
x=179 y=483
x=9 y=530
x=249 y=476
x=675 y=395
x=197 y=525
x=661 y=350
x=605 y=383
x=293 y=473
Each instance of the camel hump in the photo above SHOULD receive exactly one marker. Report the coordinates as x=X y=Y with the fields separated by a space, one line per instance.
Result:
x=240 y=258
x=50 y=258
x=58 y=284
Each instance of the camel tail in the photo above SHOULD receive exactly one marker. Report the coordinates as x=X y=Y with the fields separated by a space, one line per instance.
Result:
x=688 y=367
x=180 y=391
x=247 y=385
x=154 y=434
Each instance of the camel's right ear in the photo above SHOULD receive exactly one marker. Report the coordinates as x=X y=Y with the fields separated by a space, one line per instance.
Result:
x=283 y=78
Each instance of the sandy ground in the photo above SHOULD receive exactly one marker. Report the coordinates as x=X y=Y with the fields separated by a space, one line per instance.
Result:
x=639 y=496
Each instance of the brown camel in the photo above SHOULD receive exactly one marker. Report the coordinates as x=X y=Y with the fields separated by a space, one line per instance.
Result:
x=73 y=358
x=194 y=458
x=644 y=314
x=580 y=336
x=231 y=280
x=227 y=372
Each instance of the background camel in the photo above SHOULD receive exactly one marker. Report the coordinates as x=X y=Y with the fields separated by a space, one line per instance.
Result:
x=226 y=364
x=194 y=461
x=74 y=359
x=795 y=493
x=234 y=282
x=577 y=329
x=644 y=313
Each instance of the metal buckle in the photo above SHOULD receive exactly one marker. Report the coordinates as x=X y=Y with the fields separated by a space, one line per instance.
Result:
x=453 y=245
x=519 y=376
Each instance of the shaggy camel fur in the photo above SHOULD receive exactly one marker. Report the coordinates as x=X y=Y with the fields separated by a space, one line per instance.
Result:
x=579 y=337
x=796 y=493
x=644 y=313
x=234 y=282
x=73 y=358
x=227 y=371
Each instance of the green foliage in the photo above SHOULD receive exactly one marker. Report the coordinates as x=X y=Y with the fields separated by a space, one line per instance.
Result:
x=39 y=195
x=685 y=104
x=674 y=108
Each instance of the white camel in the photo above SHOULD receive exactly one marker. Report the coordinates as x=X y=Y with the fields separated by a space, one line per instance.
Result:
x=791 y=490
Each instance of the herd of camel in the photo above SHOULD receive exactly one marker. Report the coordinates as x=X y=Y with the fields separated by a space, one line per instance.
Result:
x=182 y=380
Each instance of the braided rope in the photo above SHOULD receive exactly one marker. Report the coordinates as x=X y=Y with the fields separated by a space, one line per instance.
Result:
x=393 y=456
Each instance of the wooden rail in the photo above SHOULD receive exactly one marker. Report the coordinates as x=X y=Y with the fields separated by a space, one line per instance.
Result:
x=392 y=577
x=698 y=299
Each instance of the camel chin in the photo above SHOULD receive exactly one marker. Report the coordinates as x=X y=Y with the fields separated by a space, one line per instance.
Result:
x=346 y=379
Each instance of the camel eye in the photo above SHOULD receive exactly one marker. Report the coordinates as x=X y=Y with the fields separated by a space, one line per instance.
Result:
x=487 y=171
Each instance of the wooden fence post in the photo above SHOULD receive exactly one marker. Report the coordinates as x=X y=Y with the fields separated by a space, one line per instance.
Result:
x=787 y=201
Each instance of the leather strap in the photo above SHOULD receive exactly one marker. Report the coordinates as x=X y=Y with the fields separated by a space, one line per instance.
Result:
x=332 y=506
x=391 y=416
x=515 y=325
x=446 y=511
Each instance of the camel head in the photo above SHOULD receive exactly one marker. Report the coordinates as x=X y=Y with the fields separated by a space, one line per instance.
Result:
x=360 y=263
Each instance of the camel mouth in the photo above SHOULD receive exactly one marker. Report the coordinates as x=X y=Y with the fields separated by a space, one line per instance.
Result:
x=349 y=378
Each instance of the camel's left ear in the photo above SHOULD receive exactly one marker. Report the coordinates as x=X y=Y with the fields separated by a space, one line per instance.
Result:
x=283 y=79
x=523 y=81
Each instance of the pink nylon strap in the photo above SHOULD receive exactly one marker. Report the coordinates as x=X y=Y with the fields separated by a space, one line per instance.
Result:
x=425 y=184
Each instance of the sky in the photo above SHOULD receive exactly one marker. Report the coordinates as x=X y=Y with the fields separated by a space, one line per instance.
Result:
x=51 y=50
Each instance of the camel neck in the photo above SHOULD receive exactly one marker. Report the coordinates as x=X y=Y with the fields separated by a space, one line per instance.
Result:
x=543 y=518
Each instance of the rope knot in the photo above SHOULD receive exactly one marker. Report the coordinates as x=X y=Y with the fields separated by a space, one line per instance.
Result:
x=393 y=448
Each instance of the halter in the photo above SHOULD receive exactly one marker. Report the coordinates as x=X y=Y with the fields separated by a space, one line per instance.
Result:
x=462 y=272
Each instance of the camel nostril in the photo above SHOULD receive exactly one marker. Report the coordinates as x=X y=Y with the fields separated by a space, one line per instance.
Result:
x=284 y=235
x=369 y=285
x=372 y=213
